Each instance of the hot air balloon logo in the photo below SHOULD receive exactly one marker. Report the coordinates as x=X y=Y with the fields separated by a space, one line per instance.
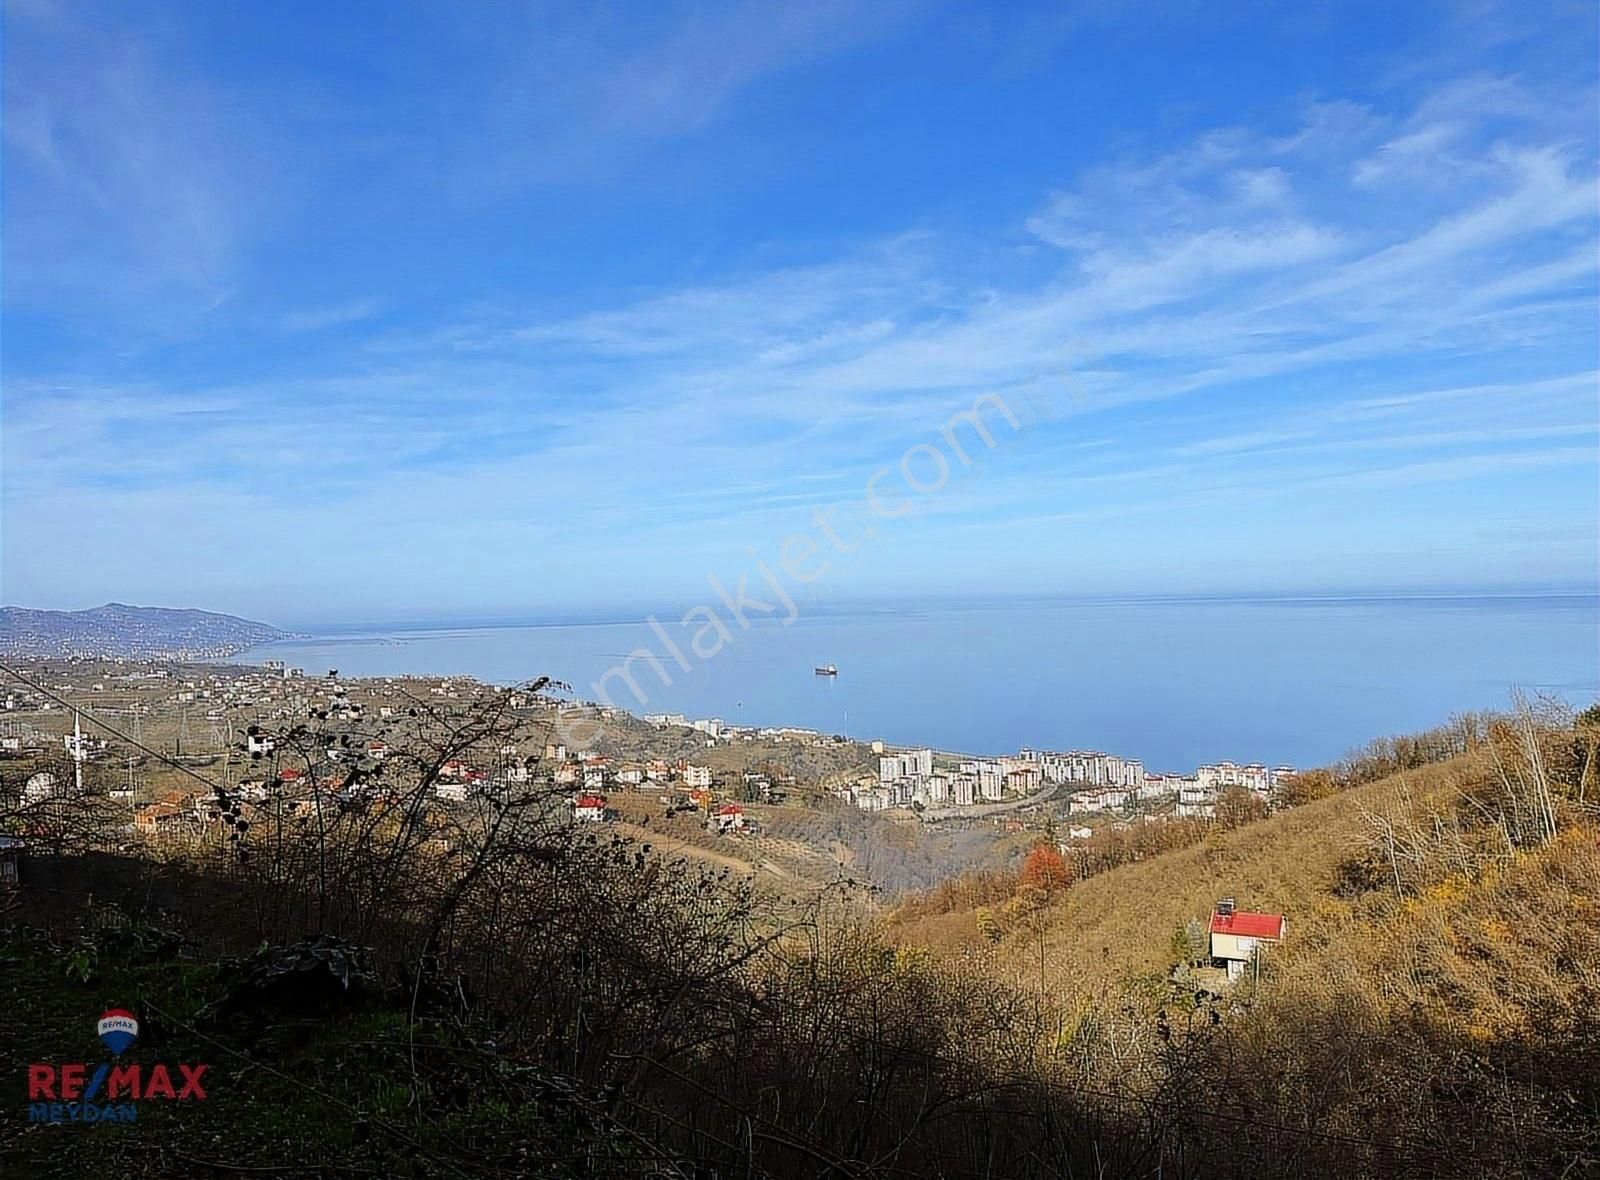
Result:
x=119 y=1030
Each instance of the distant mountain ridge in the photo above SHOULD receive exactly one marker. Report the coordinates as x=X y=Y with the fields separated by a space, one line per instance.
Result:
x=119 y=631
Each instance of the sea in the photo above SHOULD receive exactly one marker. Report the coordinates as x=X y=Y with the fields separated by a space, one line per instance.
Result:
x=1175 y=682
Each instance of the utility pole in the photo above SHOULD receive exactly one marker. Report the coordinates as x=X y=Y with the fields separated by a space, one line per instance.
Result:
x=77 y=754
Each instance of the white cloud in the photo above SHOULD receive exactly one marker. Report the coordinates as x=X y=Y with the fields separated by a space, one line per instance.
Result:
x=1306 y=302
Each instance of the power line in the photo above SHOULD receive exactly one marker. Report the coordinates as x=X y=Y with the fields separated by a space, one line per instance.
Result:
x=217 y=789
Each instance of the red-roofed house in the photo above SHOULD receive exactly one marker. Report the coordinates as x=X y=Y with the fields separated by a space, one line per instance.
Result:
x=729 y=818
x=1237 y=936
x=158 y=819
x=589 y=808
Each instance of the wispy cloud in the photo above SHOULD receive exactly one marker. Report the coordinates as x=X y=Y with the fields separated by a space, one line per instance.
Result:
x=319 y=318
x=129 y=180
x=575 y=93
x=1357 y=297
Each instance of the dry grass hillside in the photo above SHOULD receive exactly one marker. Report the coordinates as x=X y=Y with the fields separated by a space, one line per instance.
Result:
x=1122 y=922
x=1437 y=997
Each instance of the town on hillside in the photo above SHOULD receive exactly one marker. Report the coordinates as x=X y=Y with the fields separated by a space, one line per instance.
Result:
x=944 y=786
x=148 y=735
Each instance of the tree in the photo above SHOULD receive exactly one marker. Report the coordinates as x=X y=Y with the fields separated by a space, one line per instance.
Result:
x=1045 y=870
x=1237 y=806
x=1190 y=942
x=1586 y=749
x=1306 y=786
x=1178 y=948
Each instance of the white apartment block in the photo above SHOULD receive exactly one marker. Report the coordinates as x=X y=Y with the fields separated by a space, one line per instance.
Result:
x=1089 y=767
x=1099 y=799
x=1196 y=801
x=874 y=798
x=1253 y=777
x=912 y=764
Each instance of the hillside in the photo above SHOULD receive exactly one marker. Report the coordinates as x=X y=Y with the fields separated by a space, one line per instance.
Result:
x=1439 y=984
x=119 y=631
x=1434 y=1010
x=1122 y=922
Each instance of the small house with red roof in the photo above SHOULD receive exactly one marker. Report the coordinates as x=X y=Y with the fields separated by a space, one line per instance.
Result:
x=728 y=818
x=1238 y=936
x=589 y=808
x=158 y=819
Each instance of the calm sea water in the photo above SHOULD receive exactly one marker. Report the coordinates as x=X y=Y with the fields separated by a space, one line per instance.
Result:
x=1174 y=683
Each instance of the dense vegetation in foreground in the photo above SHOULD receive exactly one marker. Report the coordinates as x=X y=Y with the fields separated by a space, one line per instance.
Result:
x=1434 y=1012
x=332 y=1076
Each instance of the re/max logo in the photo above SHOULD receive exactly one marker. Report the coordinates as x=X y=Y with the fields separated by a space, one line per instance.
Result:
x=67 y=1082
x=70 y=1093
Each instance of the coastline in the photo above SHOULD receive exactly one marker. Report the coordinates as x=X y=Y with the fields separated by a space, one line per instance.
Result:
x=1300 y=683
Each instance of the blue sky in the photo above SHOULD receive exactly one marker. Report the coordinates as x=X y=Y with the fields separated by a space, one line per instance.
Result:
x=361 y=311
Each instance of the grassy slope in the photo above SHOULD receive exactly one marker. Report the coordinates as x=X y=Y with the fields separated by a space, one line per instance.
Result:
x=1122 y=922
x=1463 y=1017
